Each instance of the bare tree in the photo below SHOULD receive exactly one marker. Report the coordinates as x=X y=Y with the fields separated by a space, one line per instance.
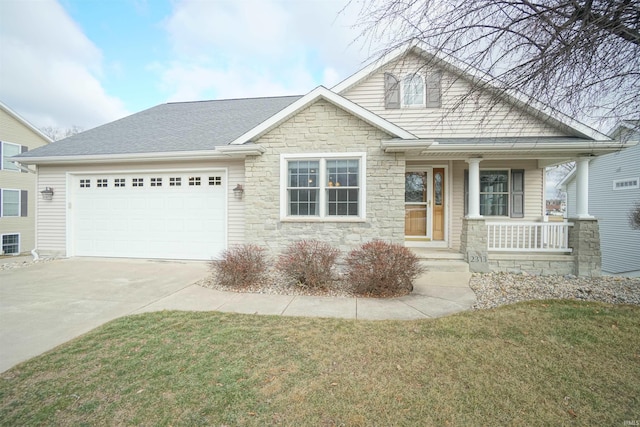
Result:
x=581 y=56
x=56 y=133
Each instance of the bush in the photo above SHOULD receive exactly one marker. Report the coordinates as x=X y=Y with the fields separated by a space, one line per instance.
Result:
x=382 y=269
x=309 y=262
x=240 y=266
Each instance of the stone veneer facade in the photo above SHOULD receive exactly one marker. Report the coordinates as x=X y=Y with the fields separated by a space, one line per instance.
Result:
x=324 y=128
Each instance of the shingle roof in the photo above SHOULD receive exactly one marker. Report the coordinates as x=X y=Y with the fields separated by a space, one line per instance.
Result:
x=180 y=126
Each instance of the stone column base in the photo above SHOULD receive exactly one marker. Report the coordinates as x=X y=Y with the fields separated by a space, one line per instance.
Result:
x=584 y=239
x=473 y=245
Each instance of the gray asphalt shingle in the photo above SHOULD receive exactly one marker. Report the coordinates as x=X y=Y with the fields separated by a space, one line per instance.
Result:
x=180 y=126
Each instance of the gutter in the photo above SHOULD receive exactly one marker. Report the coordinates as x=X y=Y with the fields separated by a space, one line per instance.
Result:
x=222 y=152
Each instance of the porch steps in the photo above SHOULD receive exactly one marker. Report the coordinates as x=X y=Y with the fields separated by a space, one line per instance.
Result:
x=442 y=260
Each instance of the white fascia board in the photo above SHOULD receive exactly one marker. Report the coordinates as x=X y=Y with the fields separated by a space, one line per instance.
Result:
x=24 y=121
x=127 y=157
x=578 y=147
x=322 y=92
x=368 y=70
x=241 y=150
x=566 y=180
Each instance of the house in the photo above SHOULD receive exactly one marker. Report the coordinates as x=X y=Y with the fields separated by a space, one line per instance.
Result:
x=614 y=189
x=17 y=185
x=398 y=151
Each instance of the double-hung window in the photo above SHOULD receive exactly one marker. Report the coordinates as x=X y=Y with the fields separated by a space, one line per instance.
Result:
x=326 y=187
x=494 y=193
x=11 y=205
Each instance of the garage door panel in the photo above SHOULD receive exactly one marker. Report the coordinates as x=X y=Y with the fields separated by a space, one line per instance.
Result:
x=160 y=221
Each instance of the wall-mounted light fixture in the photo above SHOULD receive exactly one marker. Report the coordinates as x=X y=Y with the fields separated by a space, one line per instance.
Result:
x=238 y=192
x=47 y=193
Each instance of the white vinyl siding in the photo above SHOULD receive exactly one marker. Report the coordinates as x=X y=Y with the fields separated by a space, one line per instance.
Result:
x=52 y=215
x=476 y=116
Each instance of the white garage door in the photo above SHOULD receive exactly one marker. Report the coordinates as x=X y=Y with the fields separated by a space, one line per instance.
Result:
x=172 y=215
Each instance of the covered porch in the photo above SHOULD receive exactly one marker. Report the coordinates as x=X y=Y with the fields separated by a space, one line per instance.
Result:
x=518 y=237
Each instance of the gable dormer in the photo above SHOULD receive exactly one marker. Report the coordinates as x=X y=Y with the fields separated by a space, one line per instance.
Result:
x=432 y=99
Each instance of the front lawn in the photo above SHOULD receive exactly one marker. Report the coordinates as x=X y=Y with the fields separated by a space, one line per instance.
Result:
x=534 y=363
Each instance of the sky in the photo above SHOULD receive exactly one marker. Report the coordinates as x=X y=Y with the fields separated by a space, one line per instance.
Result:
x=83 y=63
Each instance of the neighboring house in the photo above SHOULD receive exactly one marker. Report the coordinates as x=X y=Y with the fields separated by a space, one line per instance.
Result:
x=397 y=151
x=17 y=184
x=614 y=189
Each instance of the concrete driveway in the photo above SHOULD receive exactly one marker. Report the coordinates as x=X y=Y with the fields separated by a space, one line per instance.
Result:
x=47 y=304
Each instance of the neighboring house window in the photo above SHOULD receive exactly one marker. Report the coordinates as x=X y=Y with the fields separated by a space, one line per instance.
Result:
x=329 y=186
x=13 y=203
x=413 y=91
x=9 y=150
x=10 y=244
x=501 y=193
x=626 y=184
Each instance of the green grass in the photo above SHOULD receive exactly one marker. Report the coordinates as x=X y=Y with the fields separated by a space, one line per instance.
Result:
x=536 y=363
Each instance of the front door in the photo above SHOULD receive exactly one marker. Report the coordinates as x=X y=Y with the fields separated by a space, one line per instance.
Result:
x=416 y=197
x=424 y=197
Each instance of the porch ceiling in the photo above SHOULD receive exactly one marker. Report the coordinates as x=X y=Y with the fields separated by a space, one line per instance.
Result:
x=547 y=151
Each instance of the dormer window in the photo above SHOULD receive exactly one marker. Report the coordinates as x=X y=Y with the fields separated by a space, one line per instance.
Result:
x=413 y=91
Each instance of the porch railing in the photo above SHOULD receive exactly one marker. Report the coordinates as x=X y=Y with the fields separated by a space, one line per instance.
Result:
x=523 y=236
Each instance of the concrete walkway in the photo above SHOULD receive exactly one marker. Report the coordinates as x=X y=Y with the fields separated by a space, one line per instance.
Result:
x=46 y=304
x=435 y=294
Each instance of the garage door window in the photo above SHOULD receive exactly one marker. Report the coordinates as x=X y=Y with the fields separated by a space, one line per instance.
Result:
x=137 y=182
x=156 y=182
x=119 y=182
x=102 y=183
x=194 y=180
x=175 y=182
x=85 y=183
x=215 y=180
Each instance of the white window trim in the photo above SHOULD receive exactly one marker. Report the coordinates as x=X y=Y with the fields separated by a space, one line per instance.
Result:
x=630 y=187
x=17 y=169
x=362 y=206
x=19 y=243
x=423 y=103
x=508 y=170
x=2 y=215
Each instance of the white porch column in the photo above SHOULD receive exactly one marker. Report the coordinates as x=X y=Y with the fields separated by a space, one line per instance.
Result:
x=474 y=188
x=582 y=188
